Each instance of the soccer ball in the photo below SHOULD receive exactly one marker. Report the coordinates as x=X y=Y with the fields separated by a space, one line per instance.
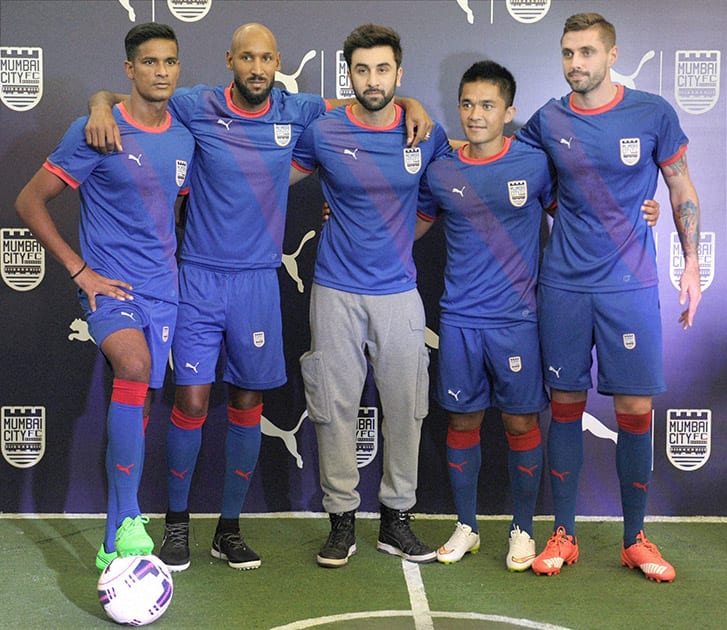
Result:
x=135 y=590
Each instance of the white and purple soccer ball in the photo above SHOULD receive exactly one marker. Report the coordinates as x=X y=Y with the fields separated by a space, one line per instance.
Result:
x=135 y=590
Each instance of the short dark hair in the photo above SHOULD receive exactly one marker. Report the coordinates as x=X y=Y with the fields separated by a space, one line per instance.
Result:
x=583 y=21
x=144 y=32
x=492 y=72
x=370 y=36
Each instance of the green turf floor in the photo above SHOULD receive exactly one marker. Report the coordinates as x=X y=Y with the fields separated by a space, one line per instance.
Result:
x=48 y=580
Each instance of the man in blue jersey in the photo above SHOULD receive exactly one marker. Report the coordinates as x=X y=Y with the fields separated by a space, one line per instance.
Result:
x=364 y=302
x=598 y=282
x=245 y=134
x=490 y=195
x=127 y=270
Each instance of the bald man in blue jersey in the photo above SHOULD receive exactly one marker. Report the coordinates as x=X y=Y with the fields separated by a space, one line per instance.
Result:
x=364 y=303
x=229 y=295
x=598 y=282
x=127 y=270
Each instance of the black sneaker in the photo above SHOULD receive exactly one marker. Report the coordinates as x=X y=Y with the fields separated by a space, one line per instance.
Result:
x=175 y=546
x=230 y=546
x=341 y=543
x=397 y=539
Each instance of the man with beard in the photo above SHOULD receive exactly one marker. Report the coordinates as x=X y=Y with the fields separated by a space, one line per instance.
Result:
x=365 y=306
x=598 y=281
x=245 y=134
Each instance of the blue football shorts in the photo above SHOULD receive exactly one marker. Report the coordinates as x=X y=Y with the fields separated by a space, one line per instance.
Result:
x=239 y=311
x=490 y=367
x=624 y=327
x=155 y=318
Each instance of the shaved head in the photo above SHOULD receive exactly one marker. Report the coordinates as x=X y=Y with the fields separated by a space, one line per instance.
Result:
x=253 y=30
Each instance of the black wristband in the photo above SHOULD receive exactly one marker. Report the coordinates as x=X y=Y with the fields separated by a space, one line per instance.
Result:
x=78 y=273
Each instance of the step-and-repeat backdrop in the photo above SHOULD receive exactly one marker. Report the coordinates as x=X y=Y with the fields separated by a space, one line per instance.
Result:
x=54 y=385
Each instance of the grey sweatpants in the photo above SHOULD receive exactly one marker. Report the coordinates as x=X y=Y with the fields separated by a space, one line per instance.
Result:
x=390 y=328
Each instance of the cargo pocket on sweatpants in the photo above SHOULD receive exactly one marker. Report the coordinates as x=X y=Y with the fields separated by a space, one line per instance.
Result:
x=421 y=404
x=312 y=368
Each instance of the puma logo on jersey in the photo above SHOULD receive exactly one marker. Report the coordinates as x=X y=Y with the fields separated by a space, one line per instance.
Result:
x=225 y=123
x=192 y=367
x=454 y=395
x=351 y=153
x=135 y=158
x=566 y=142
x=459 y=191
x=555 y=371
x=127 y=314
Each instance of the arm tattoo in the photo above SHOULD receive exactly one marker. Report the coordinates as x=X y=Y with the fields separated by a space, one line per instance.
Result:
x=686 y=219
x=677 y=168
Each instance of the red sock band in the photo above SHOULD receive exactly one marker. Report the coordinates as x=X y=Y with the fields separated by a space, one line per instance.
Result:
x=129 y=392
x=245 y=417
x=183 y=421
x=567 y=412
x=525 y=441
x=463 y=439
x=634 y=423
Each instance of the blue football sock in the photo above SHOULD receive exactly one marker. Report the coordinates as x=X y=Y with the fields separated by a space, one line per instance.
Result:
x=565 y=460
x=464 y=463
x=242 y=448
x=633 y=464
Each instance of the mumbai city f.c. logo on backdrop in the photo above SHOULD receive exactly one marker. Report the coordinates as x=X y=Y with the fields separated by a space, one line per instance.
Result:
x=21 y=77
x=22 y=265
x=528 y=11
x=343 y=81
x=705 y=253
x=367 y=436
x=189 y=10
x=23 y=435
x=696 y=80
x=688 y=437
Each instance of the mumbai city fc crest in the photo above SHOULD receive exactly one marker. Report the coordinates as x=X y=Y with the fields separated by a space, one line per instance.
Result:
x=629 y=340
x=258 y=339
x=413 y=160
x=189 y=10
x=528 y=11
x=367 y=436
x=516 y=363
x=517 y=191
x=343 y=81
x=23 y=259
x=181 y=172
x=688 y=437
x=21 y=77
x=696 y=80
x=705 y=253
x=23 y=435
x=630 y=151
x=283 y=134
